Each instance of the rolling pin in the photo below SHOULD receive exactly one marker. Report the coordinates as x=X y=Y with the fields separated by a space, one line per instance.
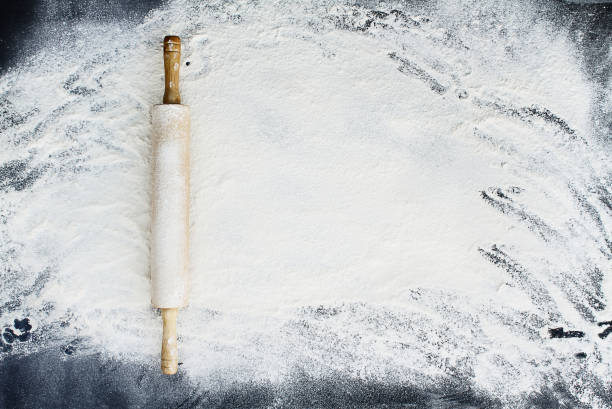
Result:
x=170 y=207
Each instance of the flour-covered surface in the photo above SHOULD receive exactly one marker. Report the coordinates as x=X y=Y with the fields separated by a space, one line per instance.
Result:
x=393 y=205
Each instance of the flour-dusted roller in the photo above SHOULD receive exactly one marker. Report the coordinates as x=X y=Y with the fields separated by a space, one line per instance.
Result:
x=170 y=221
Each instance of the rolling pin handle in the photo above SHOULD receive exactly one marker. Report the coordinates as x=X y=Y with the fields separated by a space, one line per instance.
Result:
x=172 y=65
x=169 y=352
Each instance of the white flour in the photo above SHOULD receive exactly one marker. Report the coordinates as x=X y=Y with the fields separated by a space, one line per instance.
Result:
x=373 y=169
x=169 y=240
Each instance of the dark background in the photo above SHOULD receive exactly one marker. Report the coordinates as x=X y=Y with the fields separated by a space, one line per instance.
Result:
x=53 y=377
x=22 y=22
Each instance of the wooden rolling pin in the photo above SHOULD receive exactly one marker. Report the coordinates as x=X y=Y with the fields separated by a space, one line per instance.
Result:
x=170 y=219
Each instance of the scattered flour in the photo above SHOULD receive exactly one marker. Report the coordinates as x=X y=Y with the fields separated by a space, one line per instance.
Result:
x=410 y=194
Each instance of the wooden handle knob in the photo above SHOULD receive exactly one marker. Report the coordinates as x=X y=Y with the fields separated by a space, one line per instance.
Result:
x=169 y=351
x=172 y=65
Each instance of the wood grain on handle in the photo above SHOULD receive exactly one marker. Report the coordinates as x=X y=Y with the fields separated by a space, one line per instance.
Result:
x=169 y=352
x=172 y=65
